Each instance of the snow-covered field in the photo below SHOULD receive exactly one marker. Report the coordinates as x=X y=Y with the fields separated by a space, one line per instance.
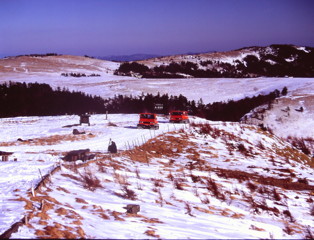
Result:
x=300 y=93
x=49 y=69
x=188 y=184
x=234 y=182
x=45 y=142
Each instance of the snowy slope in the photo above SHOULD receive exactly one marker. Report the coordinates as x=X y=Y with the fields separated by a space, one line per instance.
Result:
x=207 y=180
x=45 y=140
x=49 y=69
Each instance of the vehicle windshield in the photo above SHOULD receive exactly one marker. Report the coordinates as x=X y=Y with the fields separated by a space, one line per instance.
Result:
x=148 y=116
x=177 y=113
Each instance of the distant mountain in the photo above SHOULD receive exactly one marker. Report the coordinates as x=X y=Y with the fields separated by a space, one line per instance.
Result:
x=129 y=58
x=271 y=61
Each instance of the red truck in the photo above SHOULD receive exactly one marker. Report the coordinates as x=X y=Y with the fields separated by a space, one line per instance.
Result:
x=148 y=120
x=179 y=117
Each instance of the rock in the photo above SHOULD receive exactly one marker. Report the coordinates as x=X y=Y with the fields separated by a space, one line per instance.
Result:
x=132 y=208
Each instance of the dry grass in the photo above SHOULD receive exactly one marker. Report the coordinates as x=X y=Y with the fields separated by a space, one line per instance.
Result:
x=62 y=189
x=80 y=200
x=151 y=233
x=71 y=176
x=90 y=181
x=151 y=220
x=127 y=193
x=162 y=146
x=271 y=181
x=51 y=140
x=294 y=155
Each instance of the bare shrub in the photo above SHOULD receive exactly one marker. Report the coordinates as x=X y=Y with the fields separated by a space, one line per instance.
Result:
x=308 y=233
x=195 y=178
x=137 y=172
x=170 y=176
x=158 y=182
x=213 y=187
x=102 y=168
x=188 y=209
x=178 y=184
x=205 y=200
x=90 y=181
x=204 y=128
x=262 y=206
x=195 y=191
x=161 y=199
x=303 y=180
x=300 y=143
x=111 y=124
x=312 y=210
x=309 y=200
x=243 y=150
x=128 y=193
x=276 y=195
x=120 y=179
x=288 y=229
x=251 y=186
x=288 y=214
x=260 y=145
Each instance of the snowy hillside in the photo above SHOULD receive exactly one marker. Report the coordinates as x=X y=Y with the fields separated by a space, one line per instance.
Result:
x=48 y=69
x=204 y=180
x=271 y=61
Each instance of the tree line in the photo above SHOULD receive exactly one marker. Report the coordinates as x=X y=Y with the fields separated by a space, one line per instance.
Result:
x=34 y=99
x=218 y=111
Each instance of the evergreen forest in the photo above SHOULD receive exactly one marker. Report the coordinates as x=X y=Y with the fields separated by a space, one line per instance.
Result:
x=34 y=99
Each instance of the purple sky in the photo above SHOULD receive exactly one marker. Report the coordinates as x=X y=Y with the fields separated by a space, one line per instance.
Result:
x=118 y=27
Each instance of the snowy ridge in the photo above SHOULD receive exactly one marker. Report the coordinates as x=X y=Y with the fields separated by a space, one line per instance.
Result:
x=206 y=180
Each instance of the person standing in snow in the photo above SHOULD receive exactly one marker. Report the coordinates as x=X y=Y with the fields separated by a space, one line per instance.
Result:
x=112 y=148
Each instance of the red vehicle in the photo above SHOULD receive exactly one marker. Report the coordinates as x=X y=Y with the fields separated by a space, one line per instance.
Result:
x=179 y=117
x=148 y=120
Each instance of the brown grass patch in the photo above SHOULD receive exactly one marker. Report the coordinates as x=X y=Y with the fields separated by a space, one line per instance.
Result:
x=237 y=215
x=77 y=222
x=80 y=200
x=40 y=233
x=28 y=204
x=257 y=229
x=151 y=220
x=204 y=210
x=56 y=232
x=151 y=233
x=71 y=176
x=62 y=189
x=47 y=206
x=295 y=155
x=162 y=146
x=61 y=211
x=51 y=140
x=42 y=215
x=42 y=222
x=117 y=215
x=45 y=198
x=285 y=183
x=104 y=216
